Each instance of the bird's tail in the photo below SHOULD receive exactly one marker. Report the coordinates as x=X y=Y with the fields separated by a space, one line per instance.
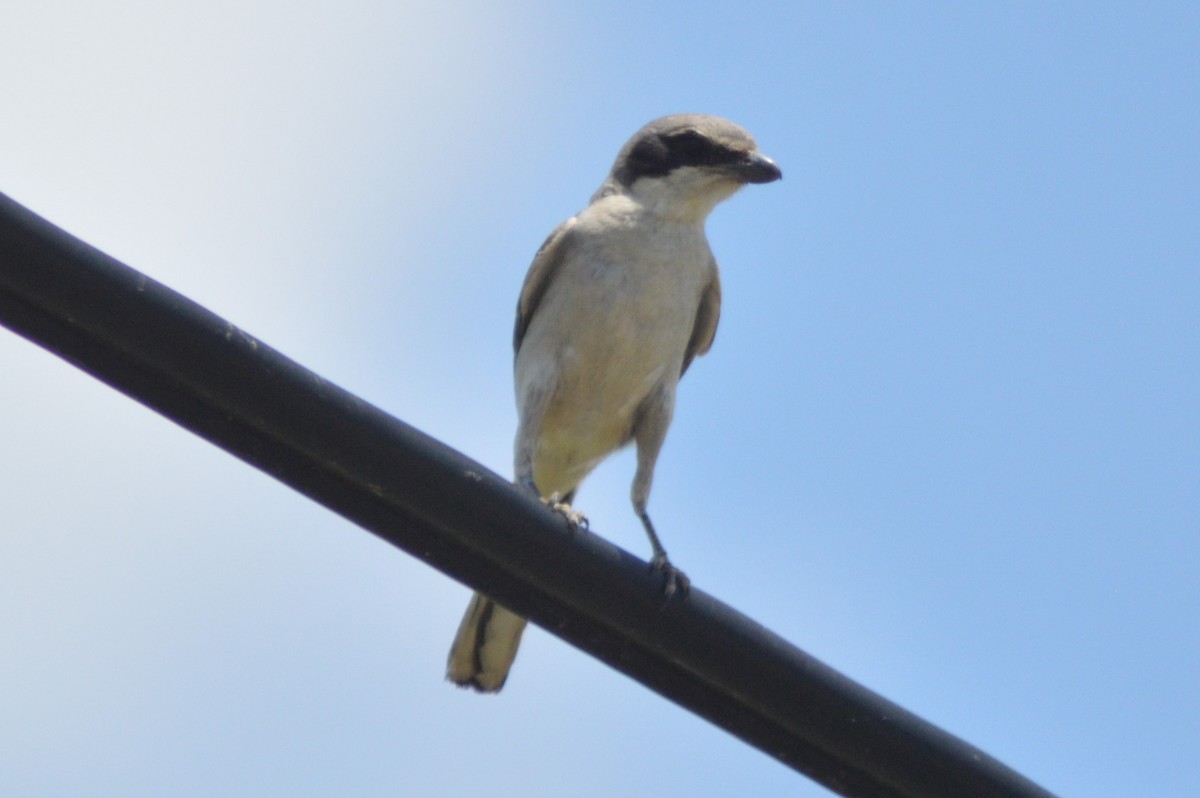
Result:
x=485 y=646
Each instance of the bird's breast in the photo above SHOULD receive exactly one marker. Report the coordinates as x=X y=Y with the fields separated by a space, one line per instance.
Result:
x=612 y=329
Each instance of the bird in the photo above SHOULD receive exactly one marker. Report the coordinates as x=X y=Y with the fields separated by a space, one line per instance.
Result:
x=618 y=302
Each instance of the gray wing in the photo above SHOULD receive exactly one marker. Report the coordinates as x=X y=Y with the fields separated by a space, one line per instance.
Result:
x=704 y=330
x=541 y=274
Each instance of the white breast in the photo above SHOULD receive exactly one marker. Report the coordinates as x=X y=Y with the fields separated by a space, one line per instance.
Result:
x=611 y=328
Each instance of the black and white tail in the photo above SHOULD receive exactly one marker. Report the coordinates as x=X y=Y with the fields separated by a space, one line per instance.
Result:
x=485 y=646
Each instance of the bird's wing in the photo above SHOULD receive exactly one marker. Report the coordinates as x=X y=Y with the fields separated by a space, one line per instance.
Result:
x=704 y=329
x=545 y=267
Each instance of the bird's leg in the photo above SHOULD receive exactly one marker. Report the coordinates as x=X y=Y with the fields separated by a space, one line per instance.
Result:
x=562 y=505
x=532 y=409
x=525 y=483
x=650 y=429
x=676 y=580
x=559 y=504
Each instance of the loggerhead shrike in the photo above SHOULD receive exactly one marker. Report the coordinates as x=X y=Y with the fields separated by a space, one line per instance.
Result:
x=619 y=300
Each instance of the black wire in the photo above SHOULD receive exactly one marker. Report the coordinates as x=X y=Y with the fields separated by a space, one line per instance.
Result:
x=210 y=377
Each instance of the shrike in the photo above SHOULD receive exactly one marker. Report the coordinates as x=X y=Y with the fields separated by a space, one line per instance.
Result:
x=618 y=302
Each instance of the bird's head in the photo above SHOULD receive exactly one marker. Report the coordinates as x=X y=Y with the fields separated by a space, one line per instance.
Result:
x=681 y=166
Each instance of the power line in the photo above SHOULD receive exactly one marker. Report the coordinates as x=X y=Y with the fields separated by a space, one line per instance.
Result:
x=207 y=375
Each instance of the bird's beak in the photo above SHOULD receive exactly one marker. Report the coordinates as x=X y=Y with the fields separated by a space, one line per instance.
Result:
x=758 y=168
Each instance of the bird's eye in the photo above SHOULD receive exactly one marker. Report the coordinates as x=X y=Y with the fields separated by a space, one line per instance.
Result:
x=691 y=147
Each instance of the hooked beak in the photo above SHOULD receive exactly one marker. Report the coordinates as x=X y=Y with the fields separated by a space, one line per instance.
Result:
x=757 y=168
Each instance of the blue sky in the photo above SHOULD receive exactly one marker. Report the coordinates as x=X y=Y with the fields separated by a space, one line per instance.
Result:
x=947 y=440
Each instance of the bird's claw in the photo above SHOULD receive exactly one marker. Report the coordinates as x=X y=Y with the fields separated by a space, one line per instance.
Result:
x=575 y=519
x=676 y=580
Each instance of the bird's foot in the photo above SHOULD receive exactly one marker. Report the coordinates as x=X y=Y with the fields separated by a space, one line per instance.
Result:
x=676 y=580
x=575 y=519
